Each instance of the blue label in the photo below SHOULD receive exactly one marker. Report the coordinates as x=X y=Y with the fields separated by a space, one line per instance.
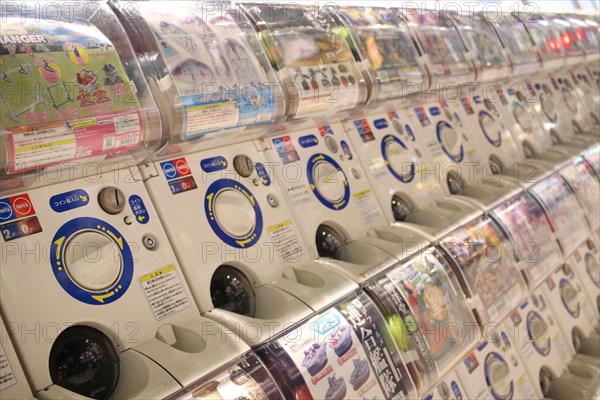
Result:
x=213 y=164
x=434 y=111
x=538 y=86
x=346 y=149
x=104 y=297
x=246 y=241
x=381 y=123
x=262 y=173
x=139 y=209
x=456 y=390
x=410 y=132
x=510 y=92
x=168 y=168
x=477 y=99
x=248 y=105
x=560 y=80
x=482 y=345
x=524 y=304
x=69 y=200
x=308 y=141
x=6 y=211
x=183 y=185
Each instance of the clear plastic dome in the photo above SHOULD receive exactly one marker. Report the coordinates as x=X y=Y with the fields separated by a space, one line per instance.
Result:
x=386 y=50
x=521 y=50
x=206 y=67
x=72 y=93
x=442 y=44
x=307 y=47
x=546 y=39
x=484 y=46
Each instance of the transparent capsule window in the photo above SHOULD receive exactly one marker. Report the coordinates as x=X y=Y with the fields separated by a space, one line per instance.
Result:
x=441 y=43
x=308 y=48
x=70 y=89
x=213 y=74
x=483 y=42
x=516 y=39
x=482 y=254
x=384 y=43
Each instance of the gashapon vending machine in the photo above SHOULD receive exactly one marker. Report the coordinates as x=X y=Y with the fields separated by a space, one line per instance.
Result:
x=402 y=178
x=482 y=107
x=96 y=301
x=425 y=309
x=456 y=157
x=313 y=161
x=481 y=256
x=532 y=326
x=226 y=217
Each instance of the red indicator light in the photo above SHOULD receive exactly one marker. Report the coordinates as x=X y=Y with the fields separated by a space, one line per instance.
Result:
x=580 y=33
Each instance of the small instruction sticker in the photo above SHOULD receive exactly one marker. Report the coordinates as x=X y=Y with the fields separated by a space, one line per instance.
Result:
x=7 y=376
x=368 y=206
x=286 y=241
x=298 y=192
x=165 y=292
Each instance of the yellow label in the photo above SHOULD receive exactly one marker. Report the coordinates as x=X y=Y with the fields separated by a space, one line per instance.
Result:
x=84 y=123
x=153 y=275
x=44 y=145
x=361 y=194
x=210 y=106
x=279 y=226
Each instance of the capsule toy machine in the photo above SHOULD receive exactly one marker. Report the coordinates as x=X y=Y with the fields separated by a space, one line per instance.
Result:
x=483 y=112
x=344 y=352
x=245 y=378
x=225 y=215
x=587 y=269
x=455 y=156
x=582 y=179
x=549 y=102
x=554 y=372
x=584 y=32
x=557 y=60
x=448 y=387
x=423 y=300
x=535 y=122
x=110 y=308
x=13 y=383
x=532 y=240
x=494 y=286
x=313 y=161
x=571 y=305
x=383 y=137
x=532 y=327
